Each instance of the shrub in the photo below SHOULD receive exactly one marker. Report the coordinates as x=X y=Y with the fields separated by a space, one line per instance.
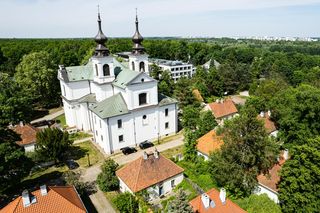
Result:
x=107 y=179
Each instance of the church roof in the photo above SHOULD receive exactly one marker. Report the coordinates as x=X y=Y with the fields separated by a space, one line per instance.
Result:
x=110 y=107
x=80 y=73
x=165 y=100
x=125 y=77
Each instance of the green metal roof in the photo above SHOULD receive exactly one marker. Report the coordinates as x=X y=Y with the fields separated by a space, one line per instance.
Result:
x=110 y=107
x=80 y=73
x=165 y=100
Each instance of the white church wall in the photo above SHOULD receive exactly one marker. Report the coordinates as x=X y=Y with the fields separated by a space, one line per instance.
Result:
x=69 y=114
x=76 y=90
x=102 y=91
x=133 y=91
x=171 y=119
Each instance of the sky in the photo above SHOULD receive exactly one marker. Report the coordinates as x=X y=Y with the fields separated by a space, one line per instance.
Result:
x=186 y=18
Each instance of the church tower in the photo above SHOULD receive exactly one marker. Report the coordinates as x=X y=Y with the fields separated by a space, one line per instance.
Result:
x=102 y=61
x=138 y=59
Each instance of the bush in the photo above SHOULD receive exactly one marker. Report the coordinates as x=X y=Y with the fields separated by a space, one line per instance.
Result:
x=259 y=203
x=107 y=179
x=126 y=203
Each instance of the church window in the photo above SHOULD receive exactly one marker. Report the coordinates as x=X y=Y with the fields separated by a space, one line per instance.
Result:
x=106 y=70
x=64 y=90
x=144 y=120
x=166 y=125
x=141 y=66
x=120 y=138
x=142 y=98
x=96 y=66
x=166 y=112
x=119 y=123
x=142 y=80
x=100 y=123
x=132 y=65
x=101 y=138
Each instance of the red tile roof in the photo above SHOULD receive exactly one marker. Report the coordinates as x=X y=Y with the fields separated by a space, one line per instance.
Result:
x=228 y=207
x=59 y=199
x=27 y=134
x=209 y=143
x=143 y=173
x=271 y=179
x=268 y=124
x=223 y=109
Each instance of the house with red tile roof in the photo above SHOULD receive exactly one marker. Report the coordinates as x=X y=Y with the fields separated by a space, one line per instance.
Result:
x=152 y=172
x=52 y=199
x=223 y=110
x=268 y=183
x=208 y=143
x=214 y=201
x=268 y=123
x=28 y=136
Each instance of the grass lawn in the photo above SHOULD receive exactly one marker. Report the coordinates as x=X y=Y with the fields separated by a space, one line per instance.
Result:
x=168 y=138
x=45 y=171
x=81 y=151
x=79 y=135
x=111 y=196
x=62 y=120
x=187 y=187
x=169 y=153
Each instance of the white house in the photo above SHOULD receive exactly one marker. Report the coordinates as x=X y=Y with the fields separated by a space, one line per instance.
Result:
x=28 y=136
x=222 y=110
x=152 y=172
x=119 y=104
x=268 y=123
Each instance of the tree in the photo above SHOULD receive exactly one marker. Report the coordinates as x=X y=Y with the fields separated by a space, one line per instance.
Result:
x=190 y=117
x=14 y=165
x=206 y=122
x=52 y=144
x=259 y=203
x=14 y=105
x=126 y=203
x=247 y=151
x=155 y=71
x=183 y=93
x=72 y=178
x=190 y=143
x=37 y=78
x=107 y=179
x=166 y=84
x=180 y=204
x=300 y=177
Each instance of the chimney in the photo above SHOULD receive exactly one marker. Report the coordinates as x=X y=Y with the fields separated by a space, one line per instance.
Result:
x=26 y=198
x=145 y=156
x=262 y=114
x=269 y=113
x=61 y=67
x=21 y=123
x=217 y=101
x=43 y=190
x=156 y=154
x=223 y=195
x=221 y=101
x=286 y=154
x=205 y=200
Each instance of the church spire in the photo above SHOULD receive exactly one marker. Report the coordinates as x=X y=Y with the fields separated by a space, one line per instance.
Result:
x=137 y=39
x=100 y=39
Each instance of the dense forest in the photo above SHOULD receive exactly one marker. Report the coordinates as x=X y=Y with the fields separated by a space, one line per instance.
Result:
x=283 y=77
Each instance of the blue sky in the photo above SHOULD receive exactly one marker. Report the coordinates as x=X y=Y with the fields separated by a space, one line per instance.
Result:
x=214 y=18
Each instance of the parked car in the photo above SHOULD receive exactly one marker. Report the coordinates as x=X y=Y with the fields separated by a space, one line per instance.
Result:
x=71 y=164
x=145 y=144
x=128 y=150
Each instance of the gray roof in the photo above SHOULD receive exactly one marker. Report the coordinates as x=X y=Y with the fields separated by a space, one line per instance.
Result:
x=110 y=107
x=165 y=100
x=125 y=76
x=90 y=98
x=80 y=73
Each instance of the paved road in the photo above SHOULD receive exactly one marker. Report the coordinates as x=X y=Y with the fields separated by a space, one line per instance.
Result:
x=50 y=116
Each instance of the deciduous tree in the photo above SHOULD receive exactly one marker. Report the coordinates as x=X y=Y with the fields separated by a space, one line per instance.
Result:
x=107 y=179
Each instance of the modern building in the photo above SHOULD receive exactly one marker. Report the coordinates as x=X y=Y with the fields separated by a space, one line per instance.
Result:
x=177 y=69
x=152 y=172
x=223 y=110
x=268 y=183
x=268 y=123
x=120 y=104
x=28 y=136
x=214 y=201
x=50 y=199
x=209 y=143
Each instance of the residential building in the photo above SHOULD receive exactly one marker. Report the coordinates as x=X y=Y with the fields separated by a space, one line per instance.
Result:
x=28 y=136
x=223 y=110
x=177 y=69
x=51 y=199
x=208 y=143
x=268 y=123
x=214 y=201
x=151 y=172
x=268 y=183
x=119 y=103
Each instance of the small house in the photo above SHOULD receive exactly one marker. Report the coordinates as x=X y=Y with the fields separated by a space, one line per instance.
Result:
x=208 y=143
x=223 y=110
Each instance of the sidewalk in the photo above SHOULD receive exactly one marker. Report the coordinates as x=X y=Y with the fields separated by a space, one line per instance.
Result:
x=49 y=117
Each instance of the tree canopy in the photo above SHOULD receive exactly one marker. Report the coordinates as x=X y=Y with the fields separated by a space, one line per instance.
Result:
x=107 y=179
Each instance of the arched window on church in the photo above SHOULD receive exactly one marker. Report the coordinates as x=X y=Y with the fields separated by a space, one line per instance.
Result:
x=96 y=66
x=142 y=98
x=141 y=66
x=132 y=66
x=106 y=70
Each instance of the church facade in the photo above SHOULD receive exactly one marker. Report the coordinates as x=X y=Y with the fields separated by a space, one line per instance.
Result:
x=118 y=102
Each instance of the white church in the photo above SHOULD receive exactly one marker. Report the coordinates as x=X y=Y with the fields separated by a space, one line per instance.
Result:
x=118 y=102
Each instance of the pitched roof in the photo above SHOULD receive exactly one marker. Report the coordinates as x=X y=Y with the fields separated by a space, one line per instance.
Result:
x=271 y=179
x=209 y=143
x=223 y=109
x=125 y=76
x=228 y=207
x=58 y=199
x=27 y=133
x=197 y=95
x=80 y=73
x=165 y=100
x=268 y=123
x=143 y=173
x=110 y=107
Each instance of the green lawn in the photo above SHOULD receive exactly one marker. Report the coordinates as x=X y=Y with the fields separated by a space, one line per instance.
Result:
x=82 y=150
x=62 y=120
x=79 y=135
x=169 y=153
x=187 y=187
